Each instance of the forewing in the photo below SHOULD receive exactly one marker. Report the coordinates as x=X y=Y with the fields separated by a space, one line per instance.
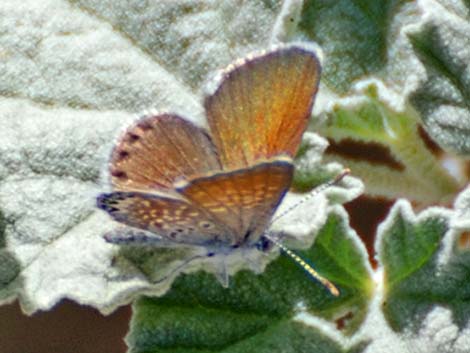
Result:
x=262 y=106
x=243 y=200
x=172 y=218
x=157 y=150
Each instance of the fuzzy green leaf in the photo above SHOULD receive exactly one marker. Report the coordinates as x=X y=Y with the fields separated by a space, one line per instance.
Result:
x=259 y=312
x=358 y=37
x=385 y=149
x=443 y=98
x=9 y=267
x=416 y=277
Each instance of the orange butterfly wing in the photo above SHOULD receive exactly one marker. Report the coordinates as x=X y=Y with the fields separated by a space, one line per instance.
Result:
x=173 y=218
x=256 y=117
x=229 y=208
x=158 y=150
x=243 y=200
x=262 y=107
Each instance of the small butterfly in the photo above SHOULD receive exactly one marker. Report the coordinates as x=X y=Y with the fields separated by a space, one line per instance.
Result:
x=218 y=189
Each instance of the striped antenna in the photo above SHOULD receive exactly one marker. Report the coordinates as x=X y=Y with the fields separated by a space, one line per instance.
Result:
x=314 y=192
x=301 y=262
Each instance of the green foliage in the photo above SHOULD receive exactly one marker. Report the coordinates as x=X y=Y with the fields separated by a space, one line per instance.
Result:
x=446 y=90
x=415 y=281
x=393 y=72
x=259 y=312
x=9 y=266
x=353 y=35
x=393 y=105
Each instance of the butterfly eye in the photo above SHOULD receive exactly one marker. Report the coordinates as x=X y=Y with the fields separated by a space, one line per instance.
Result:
x=263 y=244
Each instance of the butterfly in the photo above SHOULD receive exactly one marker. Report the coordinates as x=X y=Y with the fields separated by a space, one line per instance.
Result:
x=217 y=188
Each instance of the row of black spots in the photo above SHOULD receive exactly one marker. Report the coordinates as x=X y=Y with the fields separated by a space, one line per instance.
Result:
x=106 y=207
x=132 y=137
x=190 y=229
x=122 y=154
x=106 y=202
x=119 y=156
x=177 y=231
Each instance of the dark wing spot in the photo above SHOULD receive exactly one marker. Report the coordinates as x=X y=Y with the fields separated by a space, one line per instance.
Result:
x=119 y=174
x=100 y=200
x=122 y=155
x=206 y=225
x=104 y=202
x=131 y=137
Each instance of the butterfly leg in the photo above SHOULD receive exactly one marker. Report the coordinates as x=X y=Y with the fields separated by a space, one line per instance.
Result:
x=178 y=269
x=222 y=273
x=135 y=237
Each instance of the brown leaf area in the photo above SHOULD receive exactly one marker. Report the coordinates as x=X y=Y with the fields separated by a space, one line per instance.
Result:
x=68 y=328
x=366 y=213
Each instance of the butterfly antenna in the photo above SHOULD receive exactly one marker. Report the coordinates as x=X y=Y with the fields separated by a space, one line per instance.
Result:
x=313 y=193
x=297 y=259
x=302 y=263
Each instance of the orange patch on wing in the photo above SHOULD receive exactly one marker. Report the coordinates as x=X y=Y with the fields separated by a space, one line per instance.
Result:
x=261 y=109
x=244 y=199
x=157 y=150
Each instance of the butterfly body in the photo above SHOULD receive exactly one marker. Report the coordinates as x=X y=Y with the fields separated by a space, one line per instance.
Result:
x=217 y=189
